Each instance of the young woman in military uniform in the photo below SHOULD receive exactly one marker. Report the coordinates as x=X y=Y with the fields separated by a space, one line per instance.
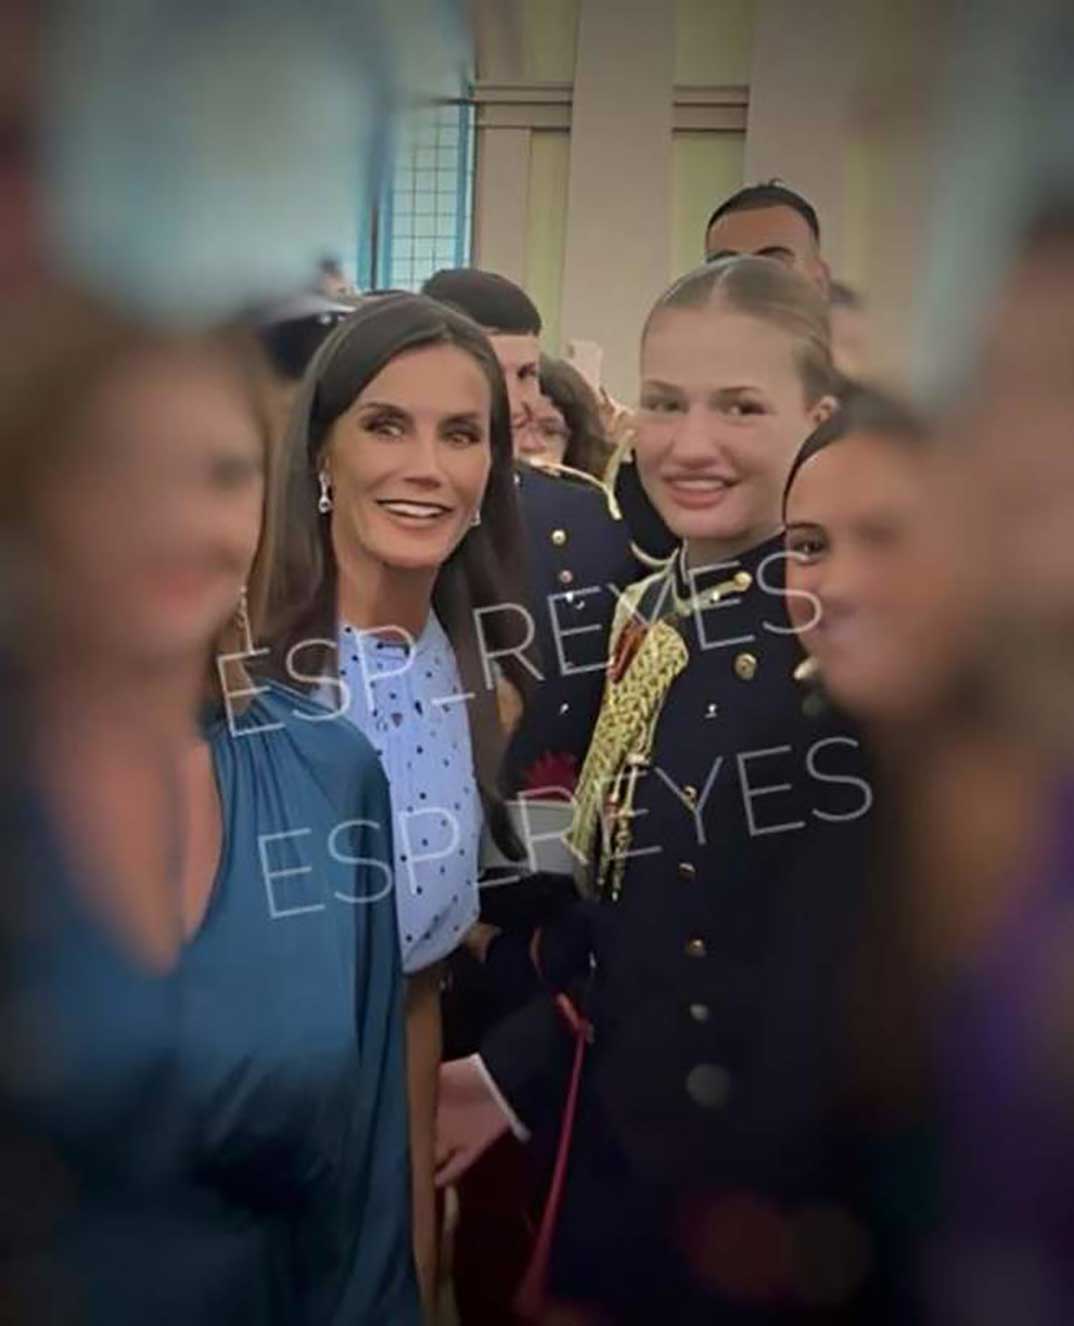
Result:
x=694 y=1160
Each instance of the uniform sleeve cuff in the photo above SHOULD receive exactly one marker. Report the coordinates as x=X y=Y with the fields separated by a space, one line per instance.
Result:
x=517 y=1126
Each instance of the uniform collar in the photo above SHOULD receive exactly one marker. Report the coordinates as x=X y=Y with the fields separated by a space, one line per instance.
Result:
x=704 y=586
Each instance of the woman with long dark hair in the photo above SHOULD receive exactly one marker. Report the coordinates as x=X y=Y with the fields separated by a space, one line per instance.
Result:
x=399 y=605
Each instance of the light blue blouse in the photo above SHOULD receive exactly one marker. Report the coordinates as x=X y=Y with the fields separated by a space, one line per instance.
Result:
x=411 y=707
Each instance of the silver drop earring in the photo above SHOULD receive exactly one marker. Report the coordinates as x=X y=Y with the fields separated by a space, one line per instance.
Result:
x=475 y=519
x=324 y=502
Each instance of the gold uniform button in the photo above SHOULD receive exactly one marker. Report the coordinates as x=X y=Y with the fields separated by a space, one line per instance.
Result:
x=563 y=708
x=700 y=1012
x=566 y=577
x=687 y=870
x=712 y=709
x=695 y=948
x=559 y=537
x=742 y=581
x=745 y=666
x=708 y=1085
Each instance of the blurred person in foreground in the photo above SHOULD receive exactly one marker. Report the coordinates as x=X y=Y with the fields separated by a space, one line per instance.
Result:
x=880 y=592
x=965 y=656
x=1008 y=932
x=209 y=1143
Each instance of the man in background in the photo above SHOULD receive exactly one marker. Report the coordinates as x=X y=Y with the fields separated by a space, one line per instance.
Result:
x=577 y=549
x=769 y=221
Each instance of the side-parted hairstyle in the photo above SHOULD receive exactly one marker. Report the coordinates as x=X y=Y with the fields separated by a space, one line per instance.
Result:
x=862 y=411
x=494 y=302
x=588 y=447
x=484 y=572
x=66 y=350
x=766 y=290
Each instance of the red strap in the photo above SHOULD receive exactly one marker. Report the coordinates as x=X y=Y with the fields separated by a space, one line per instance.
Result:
x=530 y=1300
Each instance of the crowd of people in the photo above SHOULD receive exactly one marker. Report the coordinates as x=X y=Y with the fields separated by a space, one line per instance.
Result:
x=478 y=850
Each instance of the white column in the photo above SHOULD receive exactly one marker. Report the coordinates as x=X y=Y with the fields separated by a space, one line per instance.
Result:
x=806 y=61
x=501 y=201
x=618 y=214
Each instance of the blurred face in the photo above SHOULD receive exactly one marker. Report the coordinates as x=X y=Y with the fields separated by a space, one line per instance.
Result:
x=871 y=575
x=150 y=534
x=1013 y=438
x=520 y=358
x=769 y=232
x=722 y=415
x=21 y=255
x=552 y=429
x=408 y=461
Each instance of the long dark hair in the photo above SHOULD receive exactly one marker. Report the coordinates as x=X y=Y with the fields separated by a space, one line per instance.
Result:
x=588 y=447
x=485 y=570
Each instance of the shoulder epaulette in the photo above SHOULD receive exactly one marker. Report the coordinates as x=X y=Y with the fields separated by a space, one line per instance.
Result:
x=555 y=470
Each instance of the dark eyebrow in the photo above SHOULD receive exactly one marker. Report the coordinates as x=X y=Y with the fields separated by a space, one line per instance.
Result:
x=654 y=384
x=384 y=405
x=774 y=251
x=792 y=525
x=466 y=417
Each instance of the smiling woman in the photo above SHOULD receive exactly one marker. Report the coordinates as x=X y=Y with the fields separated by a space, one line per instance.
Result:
x=736 y=371
x=395 y=595
x=712 y=813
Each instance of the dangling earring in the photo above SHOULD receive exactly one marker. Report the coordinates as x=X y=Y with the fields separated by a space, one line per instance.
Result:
x=242 y=622
x=324 y=502
x=475 y=519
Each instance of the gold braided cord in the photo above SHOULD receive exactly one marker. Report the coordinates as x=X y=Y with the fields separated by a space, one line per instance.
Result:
x=622 y=743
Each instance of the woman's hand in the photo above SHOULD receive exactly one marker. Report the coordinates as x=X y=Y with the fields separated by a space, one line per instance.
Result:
x=469 y=1119
x=478 y=938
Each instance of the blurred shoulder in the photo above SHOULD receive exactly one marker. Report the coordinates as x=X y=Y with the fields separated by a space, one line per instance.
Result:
x=322 y=739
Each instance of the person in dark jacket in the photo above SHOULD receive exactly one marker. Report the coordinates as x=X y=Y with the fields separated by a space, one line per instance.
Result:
x=715 y=811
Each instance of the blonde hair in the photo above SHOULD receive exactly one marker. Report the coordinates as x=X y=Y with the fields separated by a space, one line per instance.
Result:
x=764 y=289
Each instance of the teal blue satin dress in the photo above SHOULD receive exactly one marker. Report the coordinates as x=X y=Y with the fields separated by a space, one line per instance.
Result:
x=224 y=1143
x=291 y=1054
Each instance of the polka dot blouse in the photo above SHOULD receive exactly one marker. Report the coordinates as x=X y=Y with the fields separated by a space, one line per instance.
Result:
x=409 y=705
